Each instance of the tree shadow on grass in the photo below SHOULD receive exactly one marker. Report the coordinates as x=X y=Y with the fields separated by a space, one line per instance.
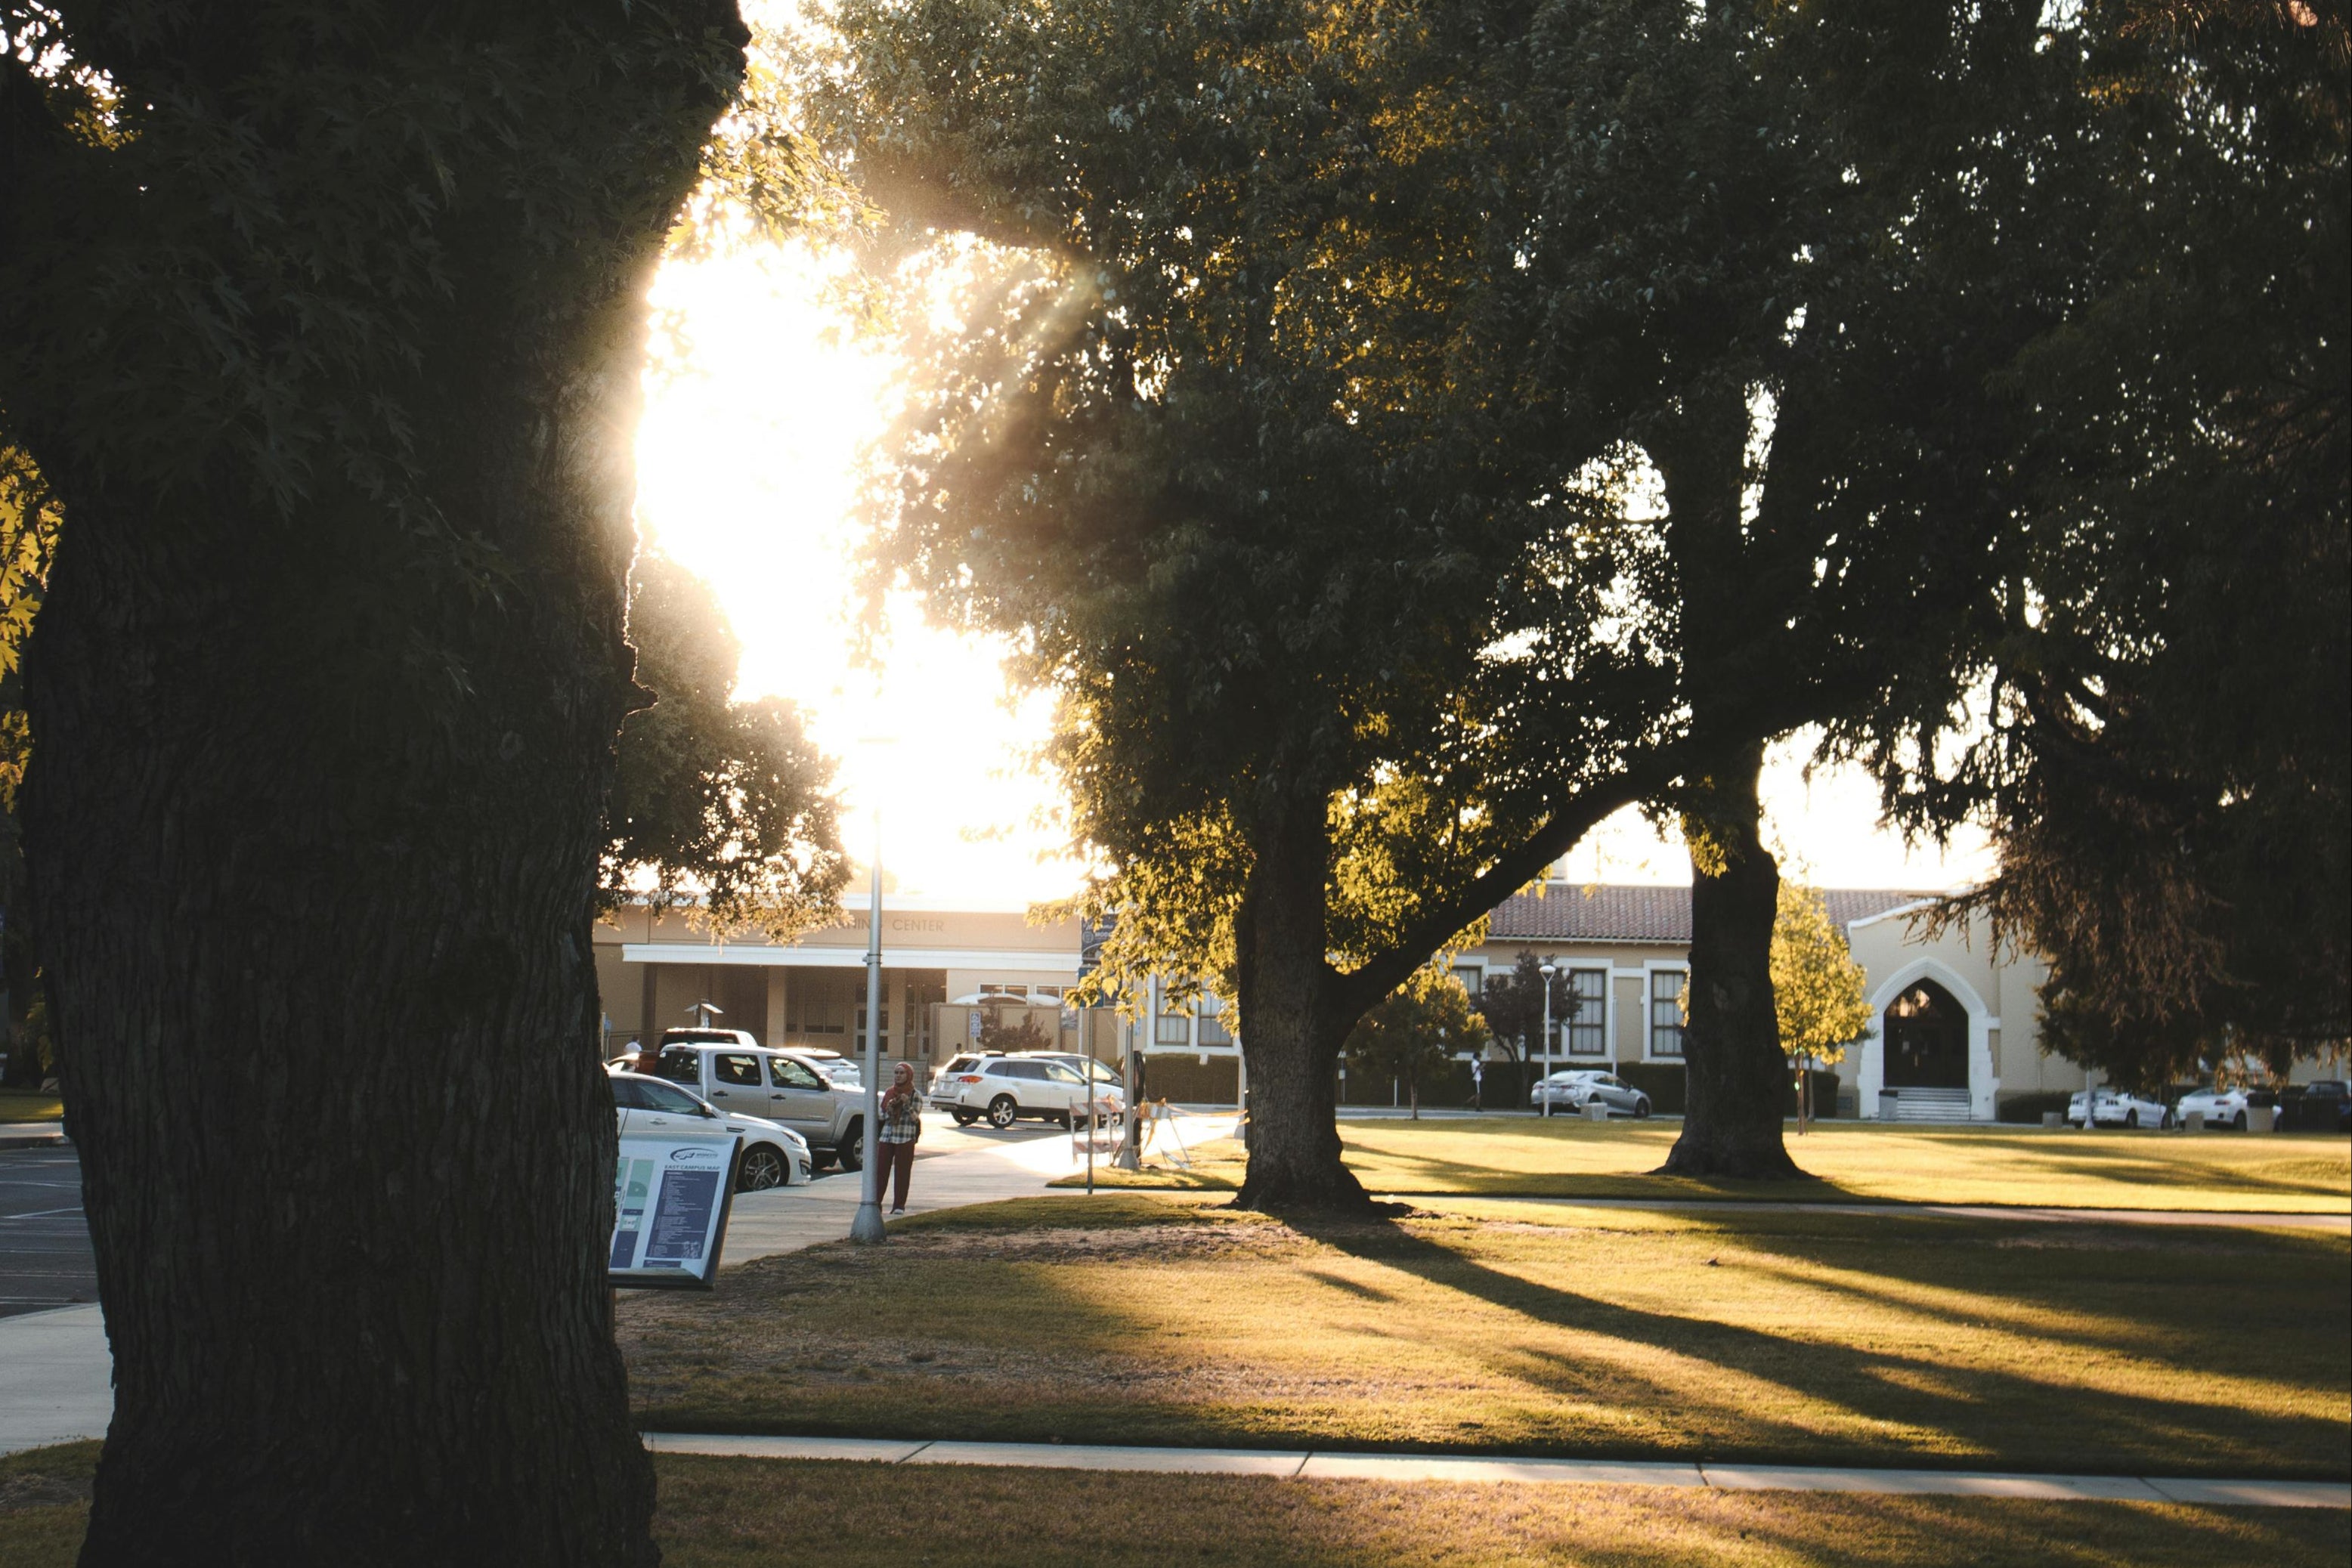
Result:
x=716 y=1512
x=2025 y=1421
x=1433 y=1175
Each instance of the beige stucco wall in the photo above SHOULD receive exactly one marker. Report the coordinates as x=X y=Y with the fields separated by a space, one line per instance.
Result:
x=1629 y=965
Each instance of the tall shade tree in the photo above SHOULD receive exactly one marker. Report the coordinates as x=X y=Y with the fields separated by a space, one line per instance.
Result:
x=2165 y=754
x=324 y=321
x=1344 y=652
x=722 y=808
x=1769 y=250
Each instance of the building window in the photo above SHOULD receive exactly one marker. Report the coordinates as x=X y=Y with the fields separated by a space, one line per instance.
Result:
x=1588 y=1026
x=861 y=1009
x=925 y=992
x=1473 y=977
x=1018 y=992
x=1212 y=1024
x=817 y=1004
x=1666 y=1013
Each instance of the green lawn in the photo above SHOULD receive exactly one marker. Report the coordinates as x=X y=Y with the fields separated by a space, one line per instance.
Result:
x=15 y=1106
x=1536 y=1328
x=1523 y=1158
x=750 y=1513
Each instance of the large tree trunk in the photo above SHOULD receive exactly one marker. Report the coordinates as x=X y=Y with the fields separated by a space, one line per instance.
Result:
x=1731 y=1043
x=18 y=973
x=1295 y=1031
x=312 y=826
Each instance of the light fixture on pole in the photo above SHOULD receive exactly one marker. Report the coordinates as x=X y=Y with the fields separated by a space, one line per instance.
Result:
x=1548 y=970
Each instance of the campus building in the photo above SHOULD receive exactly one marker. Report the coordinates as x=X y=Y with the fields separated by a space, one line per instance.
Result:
x=653 y=970
x=1954 y=1032
x=1954 y=1019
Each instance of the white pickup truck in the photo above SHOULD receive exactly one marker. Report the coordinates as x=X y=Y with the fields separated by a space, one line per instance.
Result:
x=737 y=1074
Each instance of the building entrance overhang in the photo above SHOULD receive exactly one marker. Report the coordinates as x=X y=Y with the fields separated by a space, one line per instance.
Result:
x=810 y=957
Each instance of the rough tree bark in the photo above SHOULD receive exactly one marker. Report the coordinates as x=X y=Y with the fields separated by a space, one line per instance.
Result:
x=1291 y=1008
x=313 y=825
x=1731 y=1041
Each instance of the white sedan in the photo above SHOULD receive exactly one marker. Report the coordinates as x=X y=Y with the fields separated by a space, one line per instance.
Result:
x=2224 y=1107
x=2120 y=1108
x=773 y=1155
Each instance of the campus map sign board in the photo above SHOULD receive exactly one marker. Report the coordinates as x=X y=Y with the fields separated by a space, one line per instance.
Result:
x=670 y=1198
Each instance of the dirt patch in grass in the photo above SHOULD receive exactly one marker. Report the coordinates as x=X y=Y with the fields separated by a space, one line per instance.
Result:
x=1502 y=1327
x=45 y=1505
x=733 y=1514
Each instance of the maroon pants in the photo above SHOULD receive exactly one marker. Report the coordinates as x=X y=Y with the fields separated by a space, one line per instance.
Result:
x=898 y=1169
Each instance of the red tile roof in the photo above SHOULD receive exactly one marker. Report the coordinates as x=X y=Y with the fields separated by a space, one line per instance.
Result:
x=1620 y=912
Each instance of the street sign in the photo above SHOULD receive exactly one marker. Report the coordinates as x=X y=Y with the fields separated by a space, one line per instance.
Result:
x=1092 y=934
x=670 y=1202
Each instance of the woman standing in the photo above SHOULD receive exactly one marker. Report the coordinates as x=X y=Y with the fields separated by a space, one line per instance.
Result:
x=902 y=1124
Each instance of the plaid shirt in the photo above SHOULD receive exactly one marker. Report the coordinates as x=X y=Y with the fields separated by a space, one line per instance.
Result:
x=902 y=1114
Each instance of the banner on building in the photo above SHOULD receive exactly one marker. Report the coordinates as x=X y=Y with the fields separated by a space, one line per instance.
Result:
x=670 y=1201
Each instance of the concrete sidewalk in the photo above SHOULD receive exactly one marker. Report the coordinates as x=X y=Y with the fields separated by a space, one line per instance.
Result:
x=31 y=1135
x=1311 y=1464
x=56 y=1376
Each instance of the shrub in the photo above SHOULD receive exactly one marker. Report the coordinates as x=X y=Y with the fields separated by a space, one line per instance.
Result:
x=2028 y=1107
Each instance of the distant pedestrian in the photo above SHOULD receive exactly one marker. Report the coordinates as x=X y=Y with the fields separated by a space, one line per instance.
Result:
x=902 y=1124
x=1477 y=1084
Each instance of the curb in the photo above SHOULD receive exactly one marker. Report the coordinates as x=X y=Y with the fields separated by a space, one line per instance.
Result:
x=31 y=1140
x=1313 y=1464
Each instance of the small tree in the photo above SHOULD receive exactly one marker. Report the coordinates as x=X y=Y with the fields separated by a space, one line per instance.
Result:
x=995 y=1034
x=1817 y=988
x=1513 y=1005
x=1415 y=1032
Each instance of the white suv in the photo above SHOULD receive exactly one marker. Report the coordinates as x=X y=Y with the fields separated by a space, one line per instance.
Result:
x=1006 y=1088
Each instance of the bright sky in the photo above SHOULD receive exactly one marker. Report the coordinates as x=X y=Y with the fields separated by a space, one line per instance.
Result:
x=747 y=474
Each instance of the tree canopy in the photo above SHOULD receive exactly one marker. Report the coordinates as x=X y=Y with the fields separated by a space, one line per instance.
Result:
x=1227 y=443
x=2154 y=716
x=722 y=808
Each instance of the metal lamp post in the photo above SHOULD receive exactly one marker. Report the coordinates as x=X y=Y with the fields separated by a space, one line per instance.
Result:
x=867 y=1224
x=1547 y=971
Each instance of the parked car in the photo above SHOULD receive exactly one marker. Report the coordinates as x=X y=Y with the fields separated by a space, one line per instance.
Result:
x=2121 y=1108
x=1006 y=1088
x=2224 y=1107
x=781 y=1085
x=773 y=1155
x=2321 y=1107
x=1102 y=1074
x=1576 y=1088
x=848 y=1071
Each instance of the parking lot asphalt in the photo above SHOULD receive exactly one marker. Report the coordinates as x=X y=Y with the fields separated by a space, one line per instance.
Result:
x=44 y=1255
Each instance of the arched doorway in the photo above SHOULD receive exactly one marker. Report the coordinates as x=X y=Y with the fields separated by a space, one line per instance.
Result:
x=1926 y=1035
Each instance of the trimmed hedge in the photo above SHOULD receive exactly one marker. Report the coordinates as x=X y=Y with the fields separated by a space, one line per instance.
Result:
x=1825 y=1095
x=2028 y=1108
